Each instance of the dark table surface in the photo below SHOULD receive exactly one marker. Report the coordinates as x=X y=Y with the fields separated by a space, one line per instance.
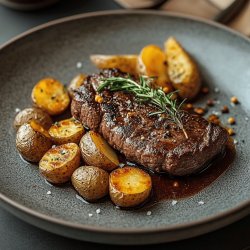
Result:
x=16 y=234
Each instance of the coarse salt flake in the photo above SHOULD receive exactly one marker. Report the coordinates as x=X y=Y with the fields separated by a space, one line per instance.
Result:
x=98 y=210
x=201 y=202
x=246 y=118
x=235 y=142
x=53 y=146
x=216 y=90
x=79 y=65
x=90 y=215
x=17 y=110
x=174 y=202
x=49 y=192
x=149 y=213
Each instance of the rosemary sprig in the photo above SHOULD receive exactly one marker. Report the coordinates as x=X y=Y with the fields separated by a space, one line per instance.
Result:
x=144 y=92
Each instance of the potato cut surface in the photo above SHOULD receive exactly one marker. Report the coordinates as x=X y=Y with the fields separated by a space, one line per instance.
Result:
x=51 y=96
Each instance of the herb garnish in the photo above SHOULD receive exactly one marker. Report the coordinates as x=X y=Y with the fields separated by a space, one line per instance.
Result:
x=143 y=91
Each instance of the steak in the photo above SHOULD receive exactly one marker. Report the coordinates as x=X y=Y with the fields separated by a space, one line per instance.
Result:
x=154 y=142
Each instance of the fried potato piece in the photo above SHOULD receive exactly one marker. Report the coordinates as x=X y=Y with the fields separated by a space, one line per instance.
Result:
x=97 y=152
x=152 y=62
x=92 y=183
x=125 y=63
x=51 y=96
x=32 y=141
x=182 y=70
x=29 y=114
x=59 y=163
x=129 y=186
x=75 y=83
x=65 y=131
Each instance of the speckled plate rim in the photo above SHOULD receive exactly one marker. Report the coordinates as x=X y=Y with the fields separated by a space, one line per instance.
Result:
x=216 y=221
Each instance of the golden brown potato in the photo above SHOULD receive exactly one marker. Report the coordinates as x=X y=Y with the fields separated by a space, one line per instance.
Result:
x=182 y=70
x=76 y=82
x=129 y=186
x=97 y=152
x=59 y=163
x=32 y=141
x=125 y=63
x=36 y=114
x=65 y=131
x=152 y=62
x=92 y=183
x=51 y=96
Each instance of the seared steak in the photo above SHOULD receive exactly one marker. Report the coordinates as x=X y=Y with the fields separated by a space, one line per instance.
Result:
x=155 y=142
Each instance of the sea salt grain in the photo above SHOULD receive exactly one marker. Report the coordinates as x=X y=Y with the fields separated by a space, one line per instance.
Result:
x=216 y=90
x=235 y=142
x=17 y=110
x=79 y=65
x=174 y=202
x=98 y=210
x=149 y=213
x=53 y=146
x=90 y=215
x=246 y=118
x=49 y=192
x=201 y=202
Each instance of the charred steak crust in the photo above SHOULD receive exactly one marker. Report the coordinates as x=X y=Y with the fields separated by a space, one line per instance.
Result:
x=152 y=141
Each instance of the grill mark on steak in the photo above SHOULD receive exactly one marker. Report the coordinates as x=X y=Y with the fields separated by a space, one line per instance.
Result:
x=155 y=142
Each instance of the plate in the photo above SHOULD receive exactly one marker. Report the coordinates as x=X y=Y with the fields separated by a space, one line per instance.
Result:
x=54 y=49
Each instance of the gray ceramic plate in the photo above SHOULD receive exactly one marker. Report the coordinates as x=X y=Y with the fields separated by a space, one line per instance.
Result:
x=53 y=50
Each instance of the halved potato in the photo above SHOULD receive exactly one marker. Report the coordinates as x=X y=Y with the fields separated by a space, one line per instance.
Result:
x=125 y=63
x=51 y=96
x=182 y=70
x=59 y=163
x=129 y=186
x=76 y=82
x=152 y=62
x=92 y=183
x=36 y=114
x=32 y=141
x=97 y=152
x=65 y=131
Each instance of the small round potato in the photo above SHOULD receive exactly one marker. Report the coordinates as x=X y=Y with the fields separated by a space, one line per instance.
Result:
x=92 y=183
x=129 y=186
x=97 y=152
x=65 y=131
x=51 y=96
x=32 y=141
x=36 y=114
x=59 y=163
x=76 y=82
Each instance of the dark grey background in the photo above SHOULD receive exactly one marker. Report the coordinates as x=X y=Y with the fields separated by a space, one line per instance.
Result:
x=16 y=234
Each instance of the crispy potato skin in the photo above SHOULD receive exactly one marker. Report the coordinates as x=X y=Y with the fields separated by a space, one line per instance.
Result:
x=92 y=183
x=129 y=186
x=92 y=147
x=125 y=63
x=182 y=70
x=76 y=82
x=59 y=163
x=36 y=114
x=51 y=96
x=65 y=131
x=31 y=144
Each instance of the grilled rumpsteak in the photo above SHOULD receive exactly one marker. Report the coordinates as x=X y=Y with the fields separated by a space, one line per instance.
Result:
x=155 y=142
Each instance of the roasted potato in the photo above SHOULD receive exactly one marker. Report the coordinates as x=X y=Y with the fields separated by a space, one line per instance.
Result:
x=92 y=183
x=59 y=163
x=51 y=96
x=182 y=70
x=125 y=63
x=152 y=62
x=129 y=186
x=97 y=152
x=69 y=130
x=76 y=82
x=32 y=141
x=36 y=114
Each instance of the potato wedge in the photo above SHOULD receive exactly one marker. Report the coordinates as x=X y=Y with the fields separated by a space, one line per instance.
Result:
x=125 y=63
x=152 y=62
x=76 y=82
x=97 y=152
x=59 y=163
x=32 y=141
x=129 y=186
x=182 y=70
x=51 y=96
x=92 y=183
x=36 y=114
x=65 y=131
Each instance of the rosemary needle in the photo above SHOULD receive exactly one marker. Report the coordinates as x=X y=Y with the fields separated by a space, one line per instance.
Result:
x=145 y=93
